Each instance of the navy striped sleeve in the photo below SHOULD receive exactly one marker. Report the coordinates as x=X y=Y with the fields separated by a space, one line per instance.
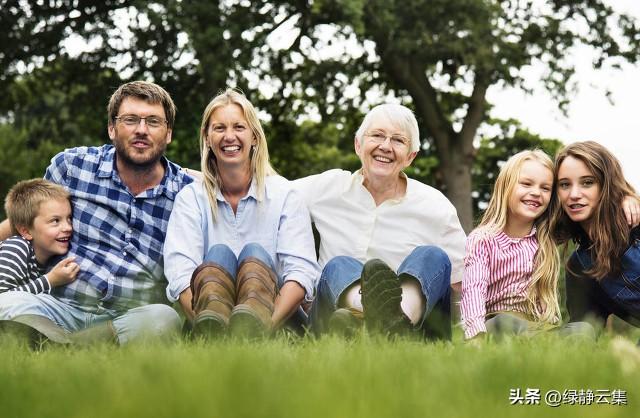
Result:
x=18 y=268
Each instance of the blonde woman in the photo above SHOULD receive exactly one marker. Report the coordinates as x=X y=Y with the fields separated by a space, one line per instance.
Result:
x=239 y=252
x=511 y=263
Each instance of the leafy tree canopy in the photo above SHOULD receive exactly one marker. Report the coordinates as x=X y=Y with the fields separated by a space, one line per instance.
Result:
x=324 y=60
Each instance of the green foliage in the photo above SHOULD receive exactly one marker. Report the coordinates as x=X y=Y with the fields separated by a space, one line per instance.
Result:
x=496 y=148
x=63 y=103
x=19 y=160
x=311 y=148
x=338 y=58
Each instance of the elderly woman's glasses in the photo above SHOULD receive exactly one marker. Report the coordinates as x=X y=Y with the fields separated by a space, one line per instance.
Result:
x=134 y=120
x=397 y=140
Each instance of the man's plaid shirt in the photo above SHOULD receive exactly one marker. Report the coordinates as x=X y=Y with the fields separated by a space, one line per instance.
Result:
x=117 y=237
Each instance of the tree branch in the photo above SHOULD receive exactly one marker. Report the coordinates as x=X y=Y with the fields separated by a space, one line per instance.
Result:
x=475 y=113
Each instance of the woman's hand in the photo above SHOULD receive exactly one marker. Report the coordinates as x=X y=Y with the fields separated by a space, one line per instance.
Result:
x=290 y=297
x=185 y=301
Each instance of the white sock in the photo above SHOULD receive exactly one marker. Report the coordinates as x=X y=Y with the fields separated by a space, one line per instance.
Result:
x=413 y=302
x=351 y=297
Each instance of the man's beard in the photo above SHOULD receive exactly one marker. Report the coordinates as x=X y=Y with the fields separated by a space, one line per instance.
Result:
x=139 y=162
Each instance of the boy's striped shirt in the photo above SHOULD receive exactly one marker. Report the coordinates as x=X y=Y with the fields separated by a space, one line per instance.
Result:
x=19 y=269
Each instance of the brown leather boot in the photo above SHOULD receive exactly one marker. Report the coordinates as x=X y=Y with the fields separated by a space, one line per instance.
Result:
x=214 y=295
x=257 y=290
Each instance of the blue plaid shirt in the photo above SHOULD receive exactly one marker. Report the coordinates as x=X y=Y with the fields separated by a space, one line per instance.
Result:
x=117 y=237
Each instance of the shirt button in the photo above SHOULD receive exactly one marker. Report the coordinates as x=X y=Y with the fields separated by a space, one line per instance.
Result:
x=124 y=253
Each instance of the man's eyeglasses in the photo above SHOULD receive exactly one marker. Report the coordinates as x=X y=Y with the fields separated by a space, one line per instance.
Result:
x=397 y=140
x=134 y=120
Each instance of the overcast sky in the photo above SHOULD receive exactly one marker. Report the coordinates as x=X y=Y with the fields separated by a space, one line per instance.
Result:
x=591 y=115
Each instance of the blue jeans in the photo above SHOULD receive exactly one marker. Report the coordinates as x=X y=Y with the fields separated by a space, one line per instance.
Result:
x=155 y=320
x=618 y=295
x=427 y=264
x=223 y=256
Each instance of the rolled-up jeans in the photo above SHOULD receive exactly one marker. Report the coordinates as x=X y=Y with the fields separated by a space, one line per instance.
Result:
x=154 y=320
x=429 y=265
x=223 y=256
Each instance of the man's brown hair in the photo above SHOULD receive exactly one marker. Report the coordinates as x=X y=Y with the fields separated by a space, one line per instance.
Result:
x=143 y=90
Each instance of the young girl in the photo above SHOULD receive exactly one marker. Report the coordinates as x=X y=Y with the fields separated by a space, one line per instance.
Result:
x=511 y=262
x=603 y=274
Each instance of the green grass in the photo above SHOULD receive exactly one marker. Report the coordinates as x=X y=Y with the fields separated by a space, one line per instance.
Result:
x=329 y=377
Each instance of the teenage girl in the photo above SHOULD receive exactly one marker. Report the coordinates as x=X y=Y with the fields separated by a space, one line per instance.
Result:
x=603 y=273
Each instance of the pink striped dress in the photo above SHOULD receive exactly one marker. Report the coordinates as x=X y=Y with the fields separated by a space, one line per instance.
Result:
x=497 y=273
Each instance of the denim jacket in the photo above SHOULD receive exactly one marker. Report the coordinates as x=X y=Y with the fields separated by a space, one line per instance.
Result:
x=624 y=287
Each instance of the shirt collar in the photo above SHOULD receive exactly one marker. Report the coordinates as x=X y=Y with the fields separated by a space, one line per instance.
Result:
x=357 y=179
x=253 y=192
x=505 y=241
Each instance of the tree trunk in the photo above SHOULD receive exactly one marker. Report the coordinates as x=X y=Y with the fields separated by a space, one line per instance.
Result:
x=456 y=176
x=455 y=149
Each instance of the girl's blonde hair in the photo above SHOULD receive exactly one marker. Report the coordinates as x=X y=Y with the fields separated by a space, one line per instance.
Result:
x=609 y=231
x=542 y=295
x=260 y=166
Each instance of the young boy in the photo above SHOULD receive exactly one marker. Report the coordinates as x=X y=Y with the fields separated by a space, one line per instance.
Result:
x=39 y=212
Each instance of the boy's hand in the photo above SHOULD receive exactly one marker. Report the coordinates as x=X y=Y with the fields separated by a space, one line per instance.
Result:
x=64 y=272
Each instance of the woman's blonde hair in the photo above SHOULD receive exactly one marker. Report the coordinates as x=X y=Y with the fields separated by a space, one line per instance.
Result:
x=542 y=295
x=260 y=166
x=609 y=229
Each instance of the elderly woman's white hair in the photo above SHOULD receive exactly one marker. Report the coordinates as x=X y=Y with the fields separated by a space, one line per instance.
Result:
x=401 y=117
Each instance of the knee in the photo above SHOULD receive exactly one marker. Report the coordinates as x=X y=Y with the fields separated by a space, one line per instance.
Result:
x=150 y=321
x=252 y=249
x=17 y=303
x=336 y=265
x=218 y=251
x=432 y=255
x=579 y=329
x=255 y=250
x=337 y=262
x=165 y=319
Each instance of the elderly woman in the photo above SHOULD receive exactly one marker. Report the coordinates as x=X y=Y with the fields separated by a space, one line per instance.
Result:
x=389 y=246
x=239 y=251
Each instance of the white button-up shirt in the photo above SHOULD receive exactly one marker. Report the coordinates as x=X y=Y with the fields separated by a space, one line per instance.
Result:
x=350 y=223
x=279 y=223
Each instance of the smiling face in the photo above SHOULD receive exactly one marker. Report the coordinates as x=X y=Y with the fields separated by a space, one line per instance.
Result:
x=140 y=145
x=384 y=150
x=230 y=137
x=532 y=193
x=50 y=233
x=578 y=191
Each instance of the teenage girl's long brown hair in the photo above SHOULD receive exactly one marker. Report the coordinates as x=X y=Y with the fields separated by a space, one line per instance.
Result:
x=609 y=232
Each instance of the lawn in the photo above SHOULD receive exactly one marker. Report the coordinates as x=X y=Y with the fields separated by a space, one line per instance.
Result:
x=327 y=377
